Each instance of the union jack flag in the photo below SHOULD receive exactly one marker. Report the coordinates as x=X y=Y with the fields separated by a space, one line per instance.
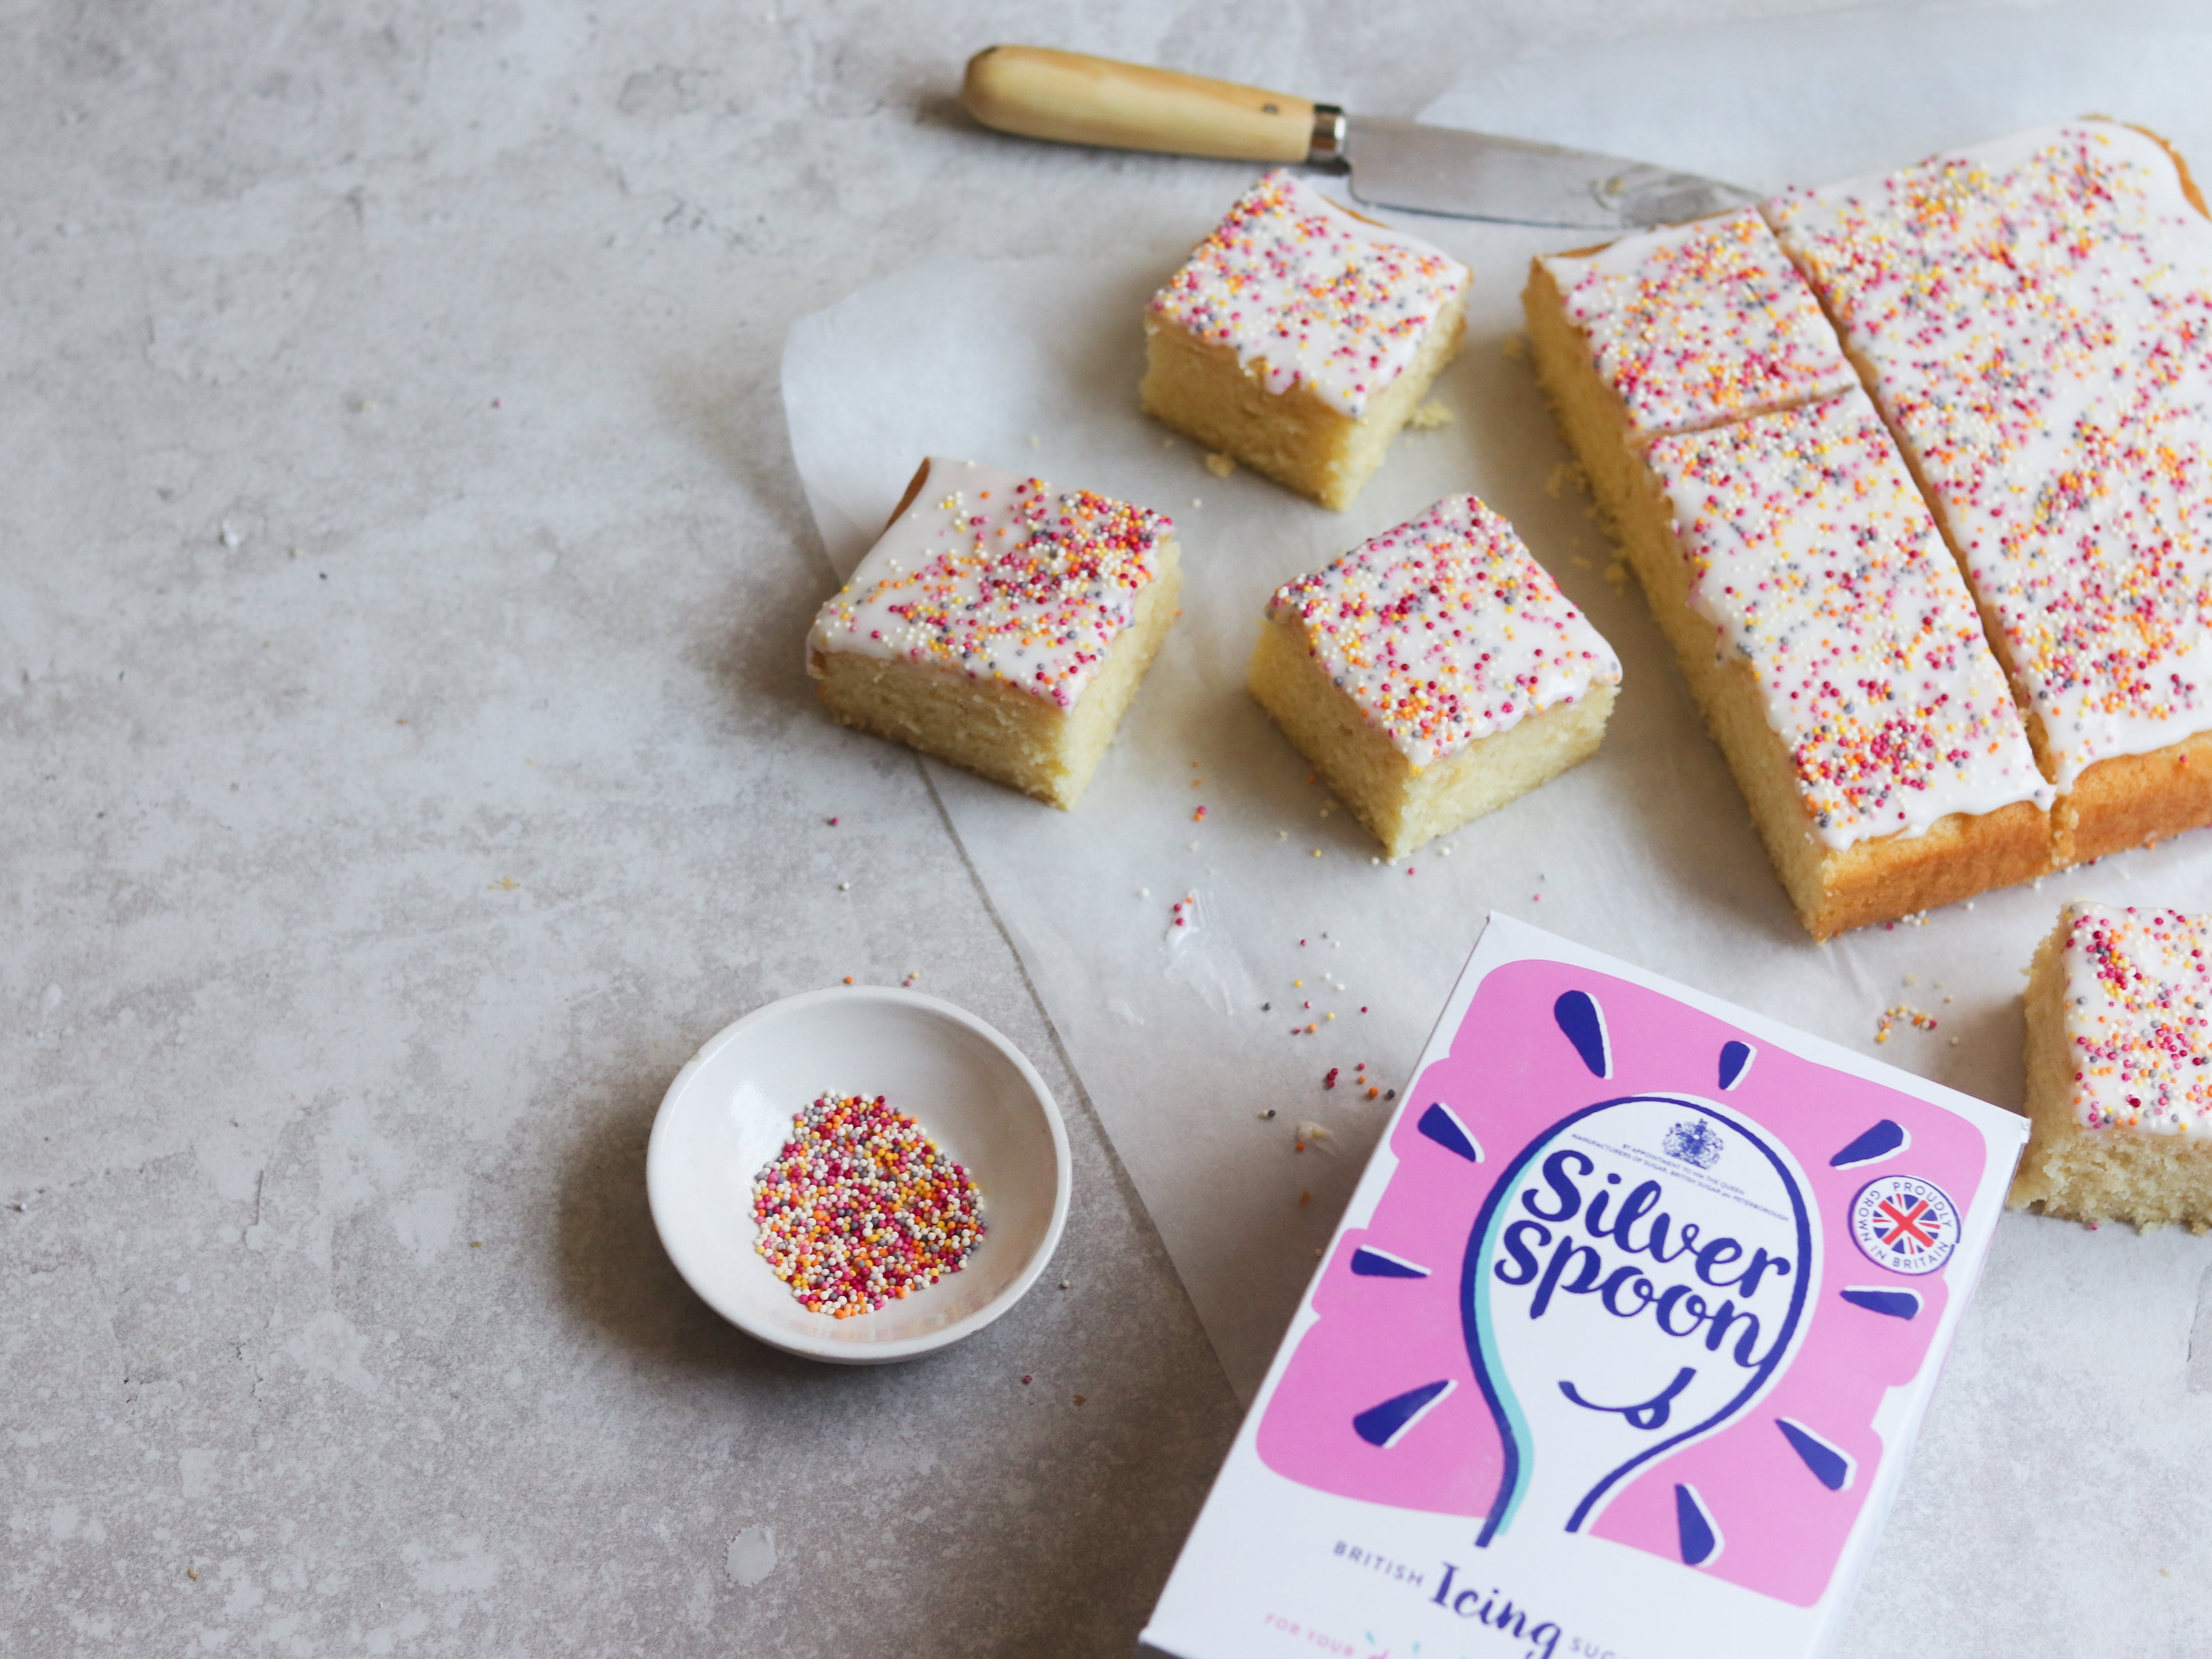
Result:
x=1907 y=1225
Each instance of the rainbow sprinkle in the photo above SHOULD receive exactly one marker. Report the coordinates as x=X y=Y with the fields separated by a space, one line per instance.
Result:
x=1316 y=294
x=2138 y=985
x=858 y=1208
x=1445 y=630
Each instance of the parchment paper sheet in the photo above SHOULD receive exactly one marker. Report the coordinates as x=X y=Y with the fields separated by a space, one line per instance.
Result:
x=1183 y=1035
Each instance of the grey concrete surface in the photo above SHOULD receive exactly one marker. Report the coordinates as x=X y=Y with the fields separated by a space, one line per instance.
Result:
x=404 y=763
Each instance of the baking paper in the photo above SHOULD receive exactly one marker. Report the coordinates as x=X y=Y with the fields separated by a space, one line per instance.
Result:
x=1193 y=1041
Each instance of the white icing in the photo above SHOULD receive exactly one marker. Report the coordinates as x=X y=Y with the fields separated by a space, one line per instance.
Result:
x=998 y=576
x=1700 y=322
x=2038 y=314
x=2138 y=1032
x=1445 y=630
x=1815 y=559
x=1309 y=295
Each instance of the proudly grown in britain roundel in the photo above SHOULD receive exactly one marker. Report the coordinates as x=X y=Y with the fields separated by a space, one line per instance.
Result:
x=1905 y=1224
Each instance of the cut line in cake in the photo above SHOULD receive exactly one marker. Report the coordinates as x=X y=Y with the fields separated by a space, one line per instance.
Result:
x=1001 y=625
x=2034 y=316
x=1434 y=673
x=2033 y=321
x=1299 y=337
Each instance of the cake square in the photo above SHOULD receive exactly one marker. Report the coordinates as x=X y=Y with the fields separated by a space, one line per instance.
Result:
x=2119 y=1069
x=1682 y=327
x=2035 y=317
x=1836 y=655
x=1671 y=330
x=1434 y=673
x=1300 y=336
x=1000 y=624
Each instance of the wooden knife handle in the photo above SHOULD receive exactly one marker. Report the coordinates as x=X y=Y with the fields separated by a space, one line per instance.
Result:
x=1077 y=99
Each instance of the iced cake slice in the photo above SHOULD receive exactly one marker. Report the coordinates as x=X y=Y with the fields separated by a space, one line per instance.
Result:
x=2119 y=1069
x=1672 y=330
x=1835 y=656
x=2034 y=316
x=1299 y=336
x=1000 y=624
x=1434 y=673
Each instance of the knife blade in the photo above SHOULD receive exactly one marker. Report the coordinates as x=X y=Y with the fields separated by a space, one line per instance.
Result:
x=1071 y=98
x=1477 y=175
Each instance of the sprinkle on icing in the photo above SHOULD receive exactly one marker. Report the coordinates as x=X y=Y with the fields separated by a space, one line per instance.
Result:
x=1312 y=295
x=1701 y=322
x=2137 y=987
x=1815 y=559
x=1445 y=630
x=1001 y=578
x=2038 y=314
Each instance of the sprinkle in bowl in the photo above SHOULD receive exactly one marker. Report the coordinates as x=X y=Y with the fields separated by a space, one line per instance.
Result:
x=974 y=1094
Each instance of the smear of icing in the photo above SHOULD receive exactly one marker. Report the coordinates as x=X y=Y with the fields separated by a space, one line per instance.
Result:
x=1321 y=298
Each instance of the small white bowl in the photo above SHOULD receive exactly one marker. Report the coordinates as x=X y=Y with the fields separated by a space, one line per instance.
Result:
x=729 y=1109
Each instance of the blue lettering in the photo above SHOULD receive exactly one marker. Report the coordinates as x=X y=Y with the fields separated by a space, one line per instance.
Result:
x=1586 y=1272
x=1556 y=1177
x=1544 y=1635
x=1574 y=1268
x=1524 y=1258
x=1630 y=1278
x=1674 y=1298
x=1717 y=1333
x=1718 y=1254
x=1760 y=1262
x=1639 y=1203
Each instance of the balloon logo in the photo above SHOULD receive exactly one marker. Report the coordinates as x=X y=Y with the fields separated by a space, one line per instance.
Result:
x=1637 y=1279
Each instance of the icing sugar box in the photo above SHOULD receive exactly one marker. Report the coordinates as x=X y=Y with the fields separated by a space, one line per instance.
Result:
x=1620 y=1347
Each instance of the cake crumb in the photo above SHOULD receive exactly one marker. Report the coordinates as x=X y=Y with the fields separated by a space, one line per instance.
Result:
x=1430 y=416
x=1514 y=348
x=1219 y=465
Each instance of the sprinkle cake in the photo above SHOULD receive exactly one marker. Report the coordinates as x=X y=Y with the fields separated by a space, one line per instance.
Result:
x=1835 y=656
x=1671 y=330
x=1300 y=336
x=1000 y=624
x=1434 y=673
x=2034 y=317
x=2119 y=1069
x=2033 y=320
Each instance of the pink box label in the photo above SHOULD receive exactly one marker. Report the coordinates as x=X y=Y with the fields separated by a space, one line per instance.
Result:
x=1638 y=1274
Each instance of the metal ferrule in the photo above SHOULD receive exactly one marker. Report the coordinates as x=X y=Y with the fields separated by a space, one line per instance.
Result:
x=1327 y=134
